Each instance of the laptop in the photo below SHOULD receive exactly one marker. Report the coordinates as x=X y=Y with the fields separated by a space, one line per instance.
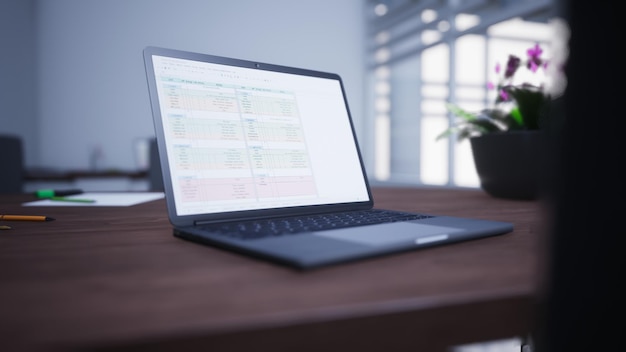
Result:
x=262 y=159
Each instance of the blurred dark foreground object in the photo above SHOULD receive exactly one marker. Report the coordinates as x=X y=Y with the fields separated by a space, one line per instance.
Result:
x=11 y=164
x=579 y=306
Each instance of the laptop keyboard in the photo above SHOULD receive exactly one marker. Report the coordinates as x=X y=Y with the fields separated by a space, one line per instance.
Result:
x=293 y=225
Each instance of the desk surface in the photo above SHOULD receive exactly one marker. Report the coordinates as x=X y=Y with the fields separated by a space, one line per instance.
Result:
x=116 y=279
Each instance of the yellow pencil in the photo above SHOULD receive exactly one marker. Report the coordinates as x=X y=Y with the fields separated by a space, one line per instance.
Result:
x=25 y=218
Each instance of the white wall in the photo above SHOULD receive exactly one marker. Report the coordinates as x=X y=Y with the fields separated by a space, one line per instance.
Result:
x=91 y=80
x=18 y=74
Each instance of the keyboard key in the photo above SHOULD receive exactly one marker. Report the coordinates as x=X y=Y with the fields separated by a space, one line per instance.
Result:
x=302 y=224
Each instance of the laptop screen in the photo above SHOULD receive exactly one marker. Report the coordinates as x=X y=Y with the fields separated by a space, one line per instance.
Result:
x=243 y=136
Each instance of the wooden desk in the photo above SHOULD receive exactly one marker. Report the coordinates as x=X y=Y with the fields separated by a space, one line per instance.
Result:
x=101 y=278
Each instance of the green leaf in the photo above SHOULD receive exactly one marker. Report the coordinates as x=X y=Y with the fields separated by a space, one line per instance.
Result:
x=531 y=102
x=517 y=116
x=446 y=133
x=475 y=124
x=456 y=110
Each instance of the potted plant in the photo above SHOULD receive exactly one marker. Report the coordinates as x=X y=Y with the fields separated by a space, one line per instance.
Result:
x=508 y=139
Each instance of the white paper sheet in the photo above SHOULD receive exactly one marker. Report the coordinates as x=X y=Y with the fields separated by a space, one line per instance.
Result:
x=104 y=199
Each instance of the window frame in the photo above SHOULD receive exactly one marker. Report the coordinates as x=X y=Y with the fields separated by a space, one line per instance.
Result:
x=379 y=138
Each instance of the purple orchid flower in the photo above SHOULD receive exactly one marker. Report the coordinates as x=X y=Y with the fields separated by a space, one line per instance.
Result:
x=534 y=60
x=511 y=66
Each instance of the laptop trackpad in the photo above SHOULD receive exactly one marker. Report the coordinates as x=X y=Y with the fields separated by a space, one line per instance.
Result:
x=396 y=232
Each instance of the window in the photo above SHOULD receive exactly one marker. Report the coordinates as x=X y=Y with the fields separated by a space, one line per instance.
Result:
x=424 y=53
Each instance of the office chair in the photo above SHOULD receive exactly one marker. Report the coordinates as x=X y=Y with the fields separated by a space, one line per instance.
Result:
x=155 y=176
x=12 y=161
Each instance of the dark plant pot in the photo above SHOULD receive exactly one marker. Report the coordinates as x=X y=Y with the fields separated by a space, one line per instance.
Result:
x=509 y=164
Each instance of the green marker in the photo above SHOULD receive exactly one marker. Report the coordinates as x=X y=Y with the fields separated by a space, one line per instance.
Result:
x=48 y=193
